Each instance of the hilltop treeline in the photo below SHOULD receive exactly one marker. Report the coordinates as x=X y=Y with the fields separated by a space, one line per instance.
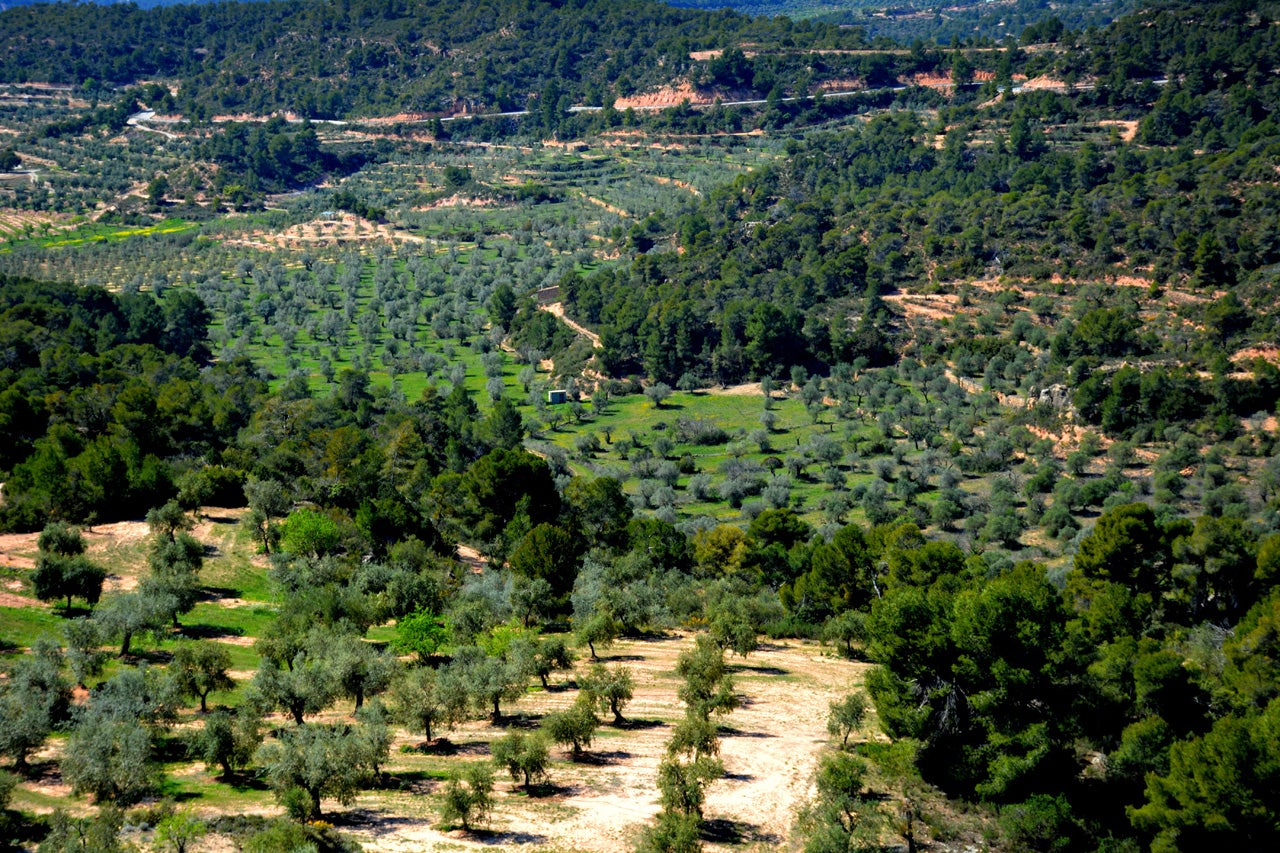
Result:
x=331 y=59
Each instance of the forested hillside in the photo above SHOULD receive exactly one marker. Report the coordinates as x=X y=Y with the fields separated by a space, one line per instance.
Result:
x=330 y=60
x=826 y=444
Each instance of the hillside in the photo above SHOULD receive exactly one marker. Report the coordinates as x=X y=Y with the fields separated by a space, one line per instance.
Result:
x=897 y=422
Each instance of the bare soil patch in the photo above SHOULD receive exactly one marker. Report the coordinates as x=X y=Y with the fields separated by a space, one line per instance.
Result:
x=933 y=307
x=671 y=96
x=1128 y=129
x=747 y=389
x=9 y=599
x=684 y=185
x=1267 y=352
x=115 y=533
x=17 y=550
x=598 y=202
x=471 y=558
x=333 y=230
x=459 y=201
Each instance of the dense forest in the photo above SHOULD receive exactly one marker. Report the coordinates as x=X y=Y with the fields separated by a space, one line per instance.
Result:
x=970 y=378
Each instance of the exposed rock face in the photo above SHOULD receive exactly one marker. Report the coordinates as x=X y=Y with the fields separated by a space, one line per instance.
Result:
x=1058 y=396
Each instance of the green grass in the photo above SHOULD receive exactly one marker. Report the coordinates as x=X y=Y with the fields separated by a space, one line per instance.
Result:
x=22 y=626
x=233 y=568
x=237 y=621
x=98 y=232
x=635 y=417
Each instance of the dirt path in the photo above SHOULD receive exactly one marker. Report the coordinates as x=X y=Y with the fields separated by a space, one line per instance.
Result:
x=557 y=308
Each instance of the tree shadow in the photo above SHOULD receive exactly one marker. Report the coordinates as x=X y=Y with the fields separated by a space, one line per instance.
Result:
x=474 y=747
x=413 y=781
x=546 y=790
x=758 y=670
x=170 y=749
x=21 y=828
x=42 y=772
x=618 y=658
x=376 y=823
x=730 y=731
x=636 y=725
x=487 y=837
x=148 y=656
x=217 y=593
x=517 y=721
x=244 y=782
x=726 y=831
x=204 y=631
x=599 y=758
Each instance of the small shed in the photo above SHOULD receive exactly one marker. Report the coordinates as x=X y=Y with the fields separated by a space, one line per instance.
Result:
x=557 y=396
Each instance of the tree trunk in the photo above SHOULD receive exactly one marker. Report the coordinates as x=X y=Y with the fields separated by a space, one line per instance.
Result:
x=497 y=711
x=124 y=645
x=203 y=708
x=359 y=697
x=314 y=794
x=296 y=709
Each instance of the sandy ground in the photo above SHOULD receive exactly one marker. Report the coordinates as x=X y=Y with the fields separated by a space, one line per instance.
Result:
x=769 y=747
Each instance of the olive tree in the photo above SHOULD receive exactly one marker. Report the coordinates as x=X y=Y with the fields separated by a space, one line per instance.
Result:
x=228 y=740
x=846 y=716
x=609 y=689
x=468 y=795
x=200 y=668
x=574 y=727
x=524 y=756
x=34 y=697
x=109 y=757
x=307 y=687
x=307 y=764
